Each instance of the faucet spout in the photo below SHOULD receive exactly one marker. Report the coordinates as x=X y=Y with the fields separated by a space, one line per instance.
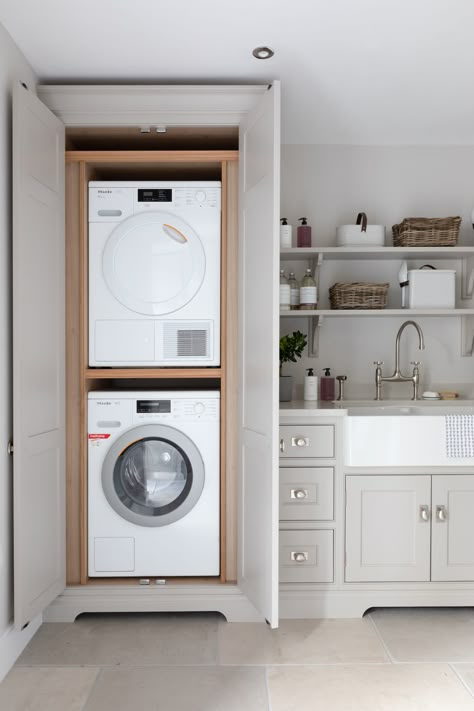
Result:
x=421 y=343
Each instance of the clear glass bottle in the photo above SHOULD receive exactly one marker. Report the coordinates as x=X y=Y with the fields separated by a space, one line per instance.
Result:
x=284 y=292
x=308 y=292
x=294 y=292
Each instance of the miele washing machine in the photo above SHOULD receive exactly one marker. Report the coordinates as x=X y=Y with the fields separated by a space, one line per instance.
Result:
x=154 y=273
x=153 y=483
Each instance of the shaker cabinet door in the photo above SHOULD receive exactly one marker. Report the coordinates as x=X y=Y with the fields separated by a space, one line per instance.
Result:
x=452 y=527
x=259 y=213
x=38 y=357
x=388 y=528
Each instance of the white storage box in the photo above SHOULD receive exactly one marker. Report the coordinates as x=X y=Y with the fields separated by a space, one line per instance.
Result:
x=361 y=234
x=431 y=289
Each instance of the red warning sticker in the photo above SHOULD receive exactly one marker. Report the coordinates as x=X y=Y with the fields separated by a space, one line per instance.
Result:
x=99 y=436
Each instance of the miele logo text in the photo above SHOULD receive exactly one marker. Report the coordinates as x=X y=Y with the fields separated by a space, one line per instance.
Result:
x=104 y=402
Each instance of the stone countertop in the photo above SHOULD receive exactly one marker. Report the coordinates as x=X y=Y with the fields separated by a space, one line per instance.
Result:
x=321 y=408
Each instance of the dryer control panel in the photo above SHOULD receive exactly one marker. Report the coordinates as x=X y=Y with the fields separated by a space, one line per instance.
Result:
x=114 y=202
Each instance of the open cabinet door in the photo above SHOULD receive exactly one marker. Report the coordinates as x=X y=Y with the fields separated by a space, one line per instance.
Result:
x=258 y=353
x=38 y=356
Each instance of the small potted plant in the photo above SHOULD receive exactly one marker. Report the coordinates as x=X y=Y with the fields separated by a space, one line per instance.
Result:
x=291 y=348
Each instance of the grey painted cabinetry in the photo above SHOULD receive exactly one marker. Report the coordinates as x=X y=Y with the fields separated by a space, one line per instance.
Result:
x=409 y=528
x=307 y=469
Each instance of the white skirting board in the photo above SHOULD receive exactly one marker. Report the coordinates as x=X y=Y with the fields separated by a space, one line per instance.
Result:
x=13 y=642
x=226 y=599
x=312 y=604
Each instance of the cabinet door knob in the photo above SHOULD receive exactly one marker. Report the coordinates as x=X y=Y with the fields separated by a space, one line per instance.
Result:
x=299 y=556
x=425 y=513
x=441 y=513
x=299 y=493
x=282 y=445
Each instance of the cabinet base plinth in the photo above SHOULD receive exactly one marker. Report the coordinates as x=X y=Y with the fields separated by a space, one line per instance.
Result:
x=310 y=604
x=227 y=599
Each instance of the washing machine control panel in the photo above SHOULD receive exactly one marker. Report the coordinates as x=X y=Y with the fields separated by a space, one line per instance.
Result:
x=183 y=410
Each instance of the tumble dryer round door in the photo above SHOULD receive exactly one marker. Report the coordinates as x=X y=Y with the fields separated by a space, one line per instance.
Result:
x=154 y=263
x=153 y=475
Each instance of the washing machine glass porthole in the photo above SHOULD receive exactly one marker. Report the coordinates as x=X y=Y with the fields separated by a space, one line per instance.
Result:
x=153 y=477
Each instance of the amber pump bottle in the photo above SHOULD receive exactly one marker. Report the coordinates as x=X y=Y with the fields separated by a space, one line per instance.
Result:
x=327 y=385
x=303 y=233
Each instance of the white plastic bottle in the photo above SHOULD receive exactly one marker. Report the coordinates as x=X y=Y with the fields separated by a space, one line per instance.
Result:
x=284 y=292
x=285 y=233
x=310 y=385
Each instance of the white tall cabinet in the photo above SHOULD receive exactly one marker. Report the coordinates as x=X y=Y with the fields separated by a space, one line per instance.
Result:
x=255 y=110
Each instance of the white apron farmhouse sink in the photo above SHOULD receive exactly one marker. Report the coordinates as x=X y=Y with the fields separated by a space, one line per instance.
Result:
x=398 y=436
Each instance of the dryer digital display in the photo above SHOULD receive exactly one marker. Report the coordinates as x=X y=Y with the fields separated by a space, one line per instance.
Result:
x=161 y=195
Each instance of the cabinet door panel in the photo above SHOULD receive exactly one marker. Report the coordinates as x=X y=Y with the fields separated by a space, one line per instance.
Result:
x=38 y=357
x=453 y=527
x=259 y=213
x=387 y=539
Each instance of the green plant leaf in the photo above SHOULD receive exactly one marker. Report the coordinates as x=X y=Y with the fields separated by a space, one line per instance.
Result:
x=292 y=347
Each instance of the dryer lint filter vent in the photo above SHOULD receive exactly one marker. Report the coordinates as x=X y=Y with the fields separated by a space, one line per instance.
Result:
x=186 y=340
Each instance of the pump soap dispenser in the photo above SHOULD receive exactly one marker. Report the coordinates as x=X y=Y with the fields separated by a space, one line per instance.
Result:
x=328 y=385
x=310 y=385
x=303 y=233
x=285 y=233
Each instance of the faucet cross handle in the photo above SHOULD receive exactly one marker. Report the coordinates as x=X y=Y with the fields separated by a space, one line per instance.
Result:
x=416 y=363
x=378 y=362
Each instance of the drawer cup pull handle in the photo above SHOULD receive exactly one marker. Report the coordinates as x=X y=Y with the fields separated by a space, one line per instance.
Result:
x=299 y=556
x=282 y=445
x=424 y=513
x=441 y=513
x=299 y=494
x=300 y=442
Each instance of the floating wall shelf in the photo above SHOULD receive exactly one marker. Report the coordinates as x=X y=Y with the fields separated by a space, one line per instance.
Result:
x=316 y=255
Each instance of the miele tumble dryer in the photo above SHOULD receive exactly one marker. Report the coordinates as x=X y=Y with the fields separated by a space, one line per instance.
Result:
x=154 y=273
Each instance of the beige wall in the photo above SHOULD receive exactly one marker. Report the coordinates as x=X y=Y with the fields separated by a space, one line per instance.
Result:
x=330 y=185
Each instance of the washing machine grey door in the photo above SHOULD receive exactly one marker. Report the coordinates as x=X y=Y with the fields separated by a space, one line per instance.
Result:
x=154 y=263
x=153 y=475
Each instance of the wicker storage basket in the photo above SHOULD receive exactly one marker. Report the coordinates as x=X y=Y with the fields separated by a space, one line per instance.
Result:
x=358 y=295
x=426 y=232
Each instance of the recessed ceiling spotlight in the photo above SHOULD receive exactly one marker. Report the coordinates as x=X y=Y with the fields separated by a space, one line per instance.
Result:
x=263 y=52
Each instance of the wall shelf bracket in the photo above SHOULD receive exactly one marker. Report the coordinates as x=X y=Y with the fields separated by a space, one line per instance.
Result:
x=467 y=279
x=467 y=335
x=316 y=266
x=314 y=327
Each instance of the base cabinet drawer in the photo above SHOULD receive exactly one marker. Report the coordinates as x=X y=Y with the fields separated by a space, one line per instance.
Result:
x=307 y=556
x=306 y=494
x=308 y=441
